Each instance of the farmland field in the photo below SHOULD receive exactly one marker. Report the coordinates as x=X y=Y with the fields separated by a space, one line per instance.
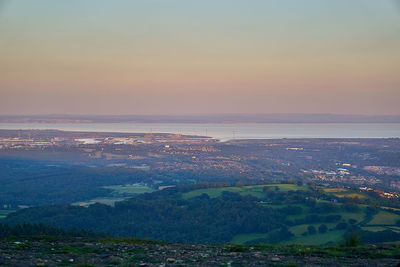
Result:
x=343 y=192
x=254 y=217
x=352 y=195
x=374 y=228
x=356 y=215
x=253 y=190
x=395 y=228
x=299 y=229
x=119 y=193
x=243 y=238
x=335 y=236
x=130 y=189
x=4 y=213
x=384 y=218
x=109 y=201
x=335 y=190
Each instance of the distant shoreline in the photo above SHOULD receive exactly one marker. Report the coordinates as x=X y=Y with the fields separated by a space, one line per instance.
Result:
x=228 y=131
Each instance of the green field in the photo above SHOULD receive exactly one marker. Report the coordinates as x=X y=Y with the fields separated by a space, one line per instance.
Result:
x=299 y=229
x=110 y=201
x=130 y=189
x=334 y=189
x=381 y=228
x=374 y=228
x=253 y=190
x=381 y=221
x=357 y=215
x=243 y=238
x=4 y=213
x=343 y=192
x=395 y=228
x=335 y=236
x=384 y=218
x=119 y=193
x=331 y=236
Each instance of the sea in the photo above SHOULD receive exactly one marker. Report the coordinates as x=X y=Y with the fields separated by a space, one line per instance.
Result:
x=229 y=131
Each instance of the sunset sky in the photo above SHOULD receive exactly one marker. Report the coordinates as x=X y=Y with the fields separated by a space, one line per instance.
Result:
x=197 y=57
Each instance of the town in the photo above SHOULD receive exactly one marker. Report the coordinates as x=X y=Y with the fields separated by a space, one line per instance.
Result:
x=372 y=163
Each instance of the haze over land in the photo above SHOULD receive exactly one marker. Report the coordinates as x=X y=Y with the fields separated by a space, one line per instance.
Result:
x=197 y=57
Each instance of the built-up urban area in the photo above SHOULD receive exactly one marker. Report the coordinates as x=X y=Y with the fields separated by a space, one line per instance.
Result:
x=370 y=164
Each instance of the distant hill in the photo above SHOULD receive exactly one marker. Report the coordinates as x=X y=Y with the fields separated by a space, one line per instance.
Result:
x=211 y=118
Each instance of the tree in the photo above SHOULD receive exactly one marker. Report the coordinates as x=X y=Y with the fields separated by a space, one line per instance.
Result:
x=352 y=221
x=351 y=239
x=266 y=189
x=311 y=230
x=322 y=228
x=341 y=226
x=299 y=183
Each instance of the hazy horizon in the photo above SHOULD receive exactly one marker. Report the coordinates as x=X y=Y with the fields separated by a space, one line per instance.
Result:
x=198 y=114
x=200 y=118
x=199 y=57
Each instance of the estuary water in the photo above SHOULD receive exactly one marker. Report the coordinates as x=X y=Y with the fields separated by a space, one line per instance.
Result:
x=228 y=131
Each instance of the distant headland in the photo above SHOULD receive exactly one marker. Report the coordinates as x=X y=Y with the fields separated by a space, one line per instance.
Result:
x=209 y=118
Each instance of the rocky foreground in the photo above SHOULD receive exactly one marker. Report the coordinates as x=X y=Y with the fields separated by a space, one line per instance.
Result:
x=134 y=252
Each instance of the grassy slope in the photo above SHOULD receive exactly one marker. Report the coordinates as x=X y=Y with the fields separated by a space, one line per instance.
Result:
x=130 y=189
x=318 y=239
x=119 y=193
x=344 y=192
x=243 y=238
x=380 y=219
x=384 y=218
x=254 y=190
x=4 y=213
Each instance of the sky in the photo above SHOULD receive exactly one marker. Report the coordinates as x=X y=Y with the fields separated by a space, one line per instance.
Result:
x=199 y=57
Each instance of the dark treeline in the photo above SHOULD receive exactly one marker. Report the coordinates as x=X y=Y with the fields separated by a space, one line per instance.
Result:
x=167 y=215
x=35 y=183
x=32 y=183
x=159 y=217
x=39 y=229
